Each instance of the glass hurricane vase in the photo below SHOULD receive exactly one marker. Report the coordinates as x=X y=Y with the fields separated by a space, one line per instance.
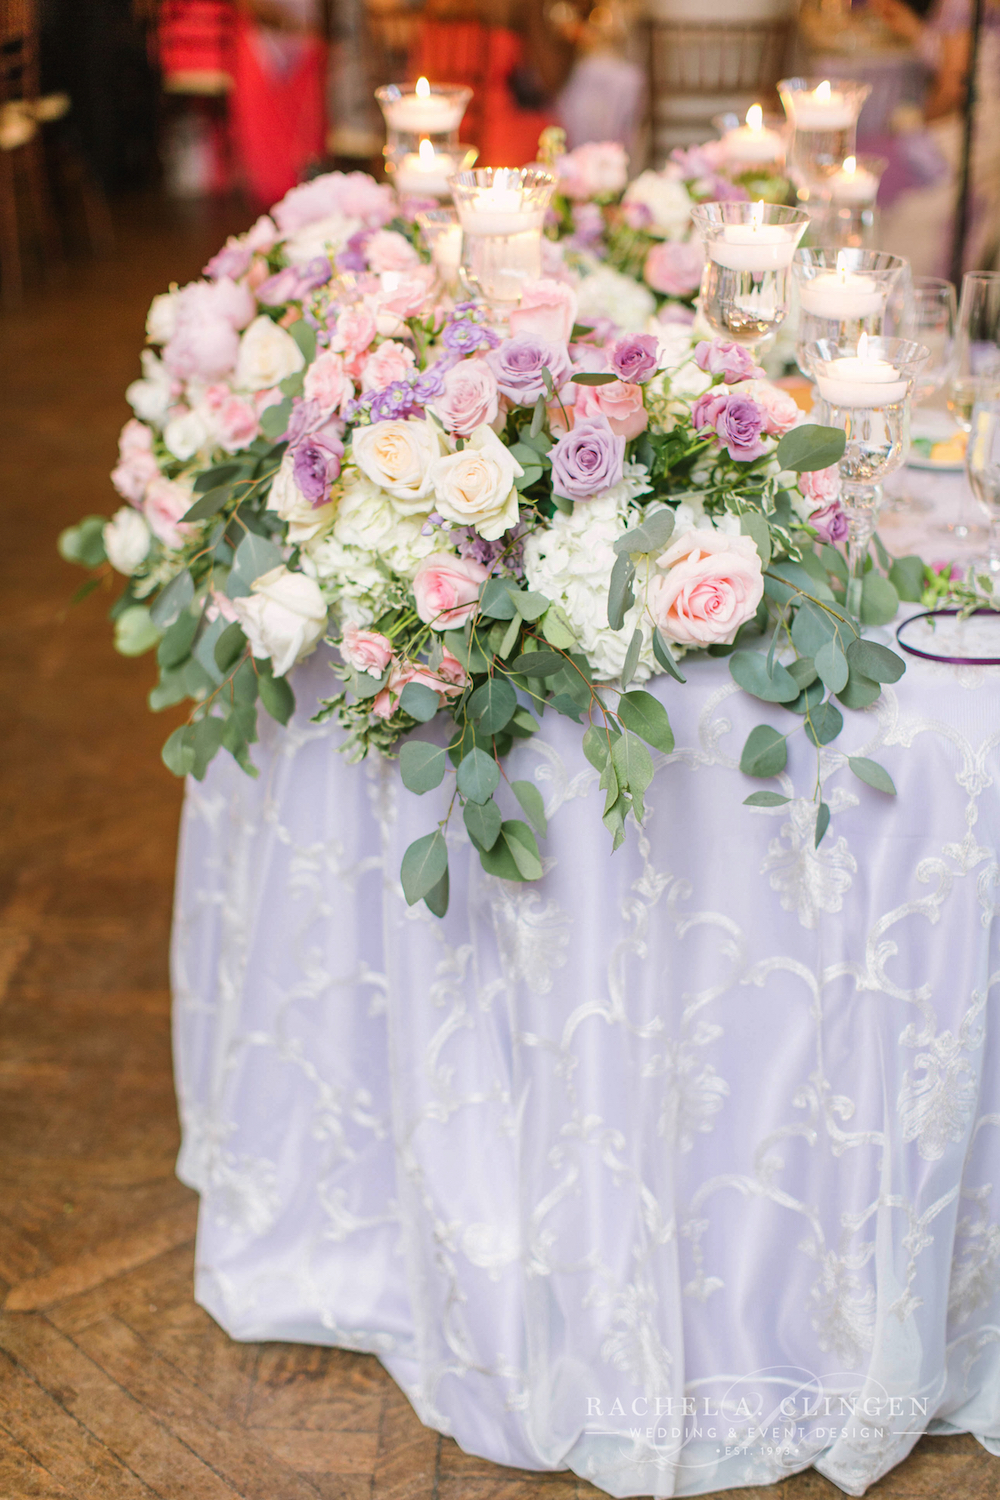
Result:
x=745 y=286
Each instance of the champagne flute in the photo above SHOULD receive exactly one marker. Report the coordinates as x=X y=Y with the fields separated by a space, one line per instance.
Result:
x=982 y=464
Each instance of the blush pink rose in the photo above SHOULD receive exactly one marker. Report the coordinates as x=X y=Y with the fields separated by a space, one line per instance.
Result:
x=387 y=701
x=236 y=423
x=781 y=412
x=365 y=650
x=821 y=485
x=401 y=298
x=597 y=169
x=328 y=383
x=620 y=402
x=220 y=607
x=470 y=397
x=136 y=466
x=354 y=331
x=674 y=267
x=388 y=250
x=705 y=587
x=547 y=309
x=446 y=589
x=389 y=362
x=163 y=507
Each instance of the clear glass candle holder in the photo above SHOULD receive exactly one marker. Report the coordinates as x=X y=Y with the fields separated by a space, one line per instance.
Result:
x=759 y=144
x=442 y=235
x=842 y=208
x=422 y=111
x=745 y=285
x=823 y=114
x=501 y=211
x=866 y=389
x=842 y=294
x=424 y=173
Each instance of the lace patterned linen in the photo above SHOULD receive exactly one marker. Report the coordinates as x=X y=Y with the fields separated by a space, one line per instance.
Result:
x=657 y=1170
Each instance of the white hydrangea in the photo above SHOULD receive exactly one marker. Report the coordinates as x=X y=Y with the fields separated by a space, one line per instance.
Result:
x=349 y=577
x=606 y=293
x=325 y=235
x=369 y=519
x=667 y=200
x=571 y=564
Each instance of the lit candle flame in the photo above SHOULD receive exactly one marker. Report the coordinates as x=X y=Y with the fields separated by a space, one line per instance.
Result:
x=850 y=165
x=426 y=152
x=823 y=91
x=863 y=346
x=423 y=89
x=842 y=267
x=757 y=215
x=755 y=117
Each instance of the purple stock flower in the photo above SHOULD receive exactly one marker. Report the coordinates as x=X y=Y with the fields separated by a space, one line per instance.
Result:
x=396 y=400
x=518 y=364
x=730 y=361
x=472 y=545
x=588 y=223
x=636 y=214
x=831 y=523
x=354 y=255
x=635 y=357
x=740 y=425
x=295 y=282
x=465 y=336
x=587 y=459
x=430 y=383
x=316 y=466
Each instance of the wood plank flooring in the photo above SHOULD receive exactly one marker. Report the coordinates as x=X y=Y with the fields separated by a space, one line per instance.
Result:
x=113 y=1384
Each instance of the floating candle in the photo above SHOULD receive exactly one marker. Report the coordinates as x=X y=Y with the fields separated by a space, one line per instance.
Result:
x=753 y=142
x=500 y=210
x=821 y=108
x=425 y=111
x=853 y=184
x=857 y=380
x=755 y=246
x=841 y=294
x=425 y=171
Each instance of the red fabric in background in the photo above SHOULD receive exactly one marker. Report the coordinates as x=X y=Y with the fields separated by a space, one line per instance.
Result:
x=277 y=120
x=483 y=57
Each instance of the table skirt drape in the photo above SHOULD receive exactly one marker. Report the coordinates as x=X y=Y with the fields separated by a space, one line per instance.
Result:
x=681 y=1168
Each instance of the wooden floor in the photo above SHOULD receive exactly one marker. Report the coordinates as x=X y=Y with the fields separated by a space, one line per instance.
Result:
x=113 y=1384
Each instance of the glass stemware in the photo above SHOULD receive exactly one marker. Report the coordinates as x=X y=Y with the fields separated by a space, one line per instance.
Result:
x=982 y=464
x=976 y=370
x=927 y=316
x=842 y=294
x=501 y=211
x=745 y=285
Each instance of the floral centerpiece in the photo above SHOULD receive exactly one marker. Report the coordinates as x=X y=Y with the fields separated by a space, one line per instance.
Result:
x=484 y=527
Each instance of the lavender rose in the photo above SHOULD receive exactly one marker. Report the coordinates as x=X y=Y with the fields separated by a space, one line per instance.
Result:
x=740 y=427
x=635 y=358
x=830 y=523
x=587 y=460
x=316 y=465
x=518 y=364
x=730 y=361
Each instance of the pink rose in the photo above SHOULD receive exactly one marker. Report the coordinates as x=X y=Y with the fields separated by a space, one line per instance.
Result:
x=821 y=485
x=352 y=195
x=706 y=585
x=327 y=382
x=780 y=410
x=365 y=650
x=202 y=348
x=547 y=309
x=236 y=423
x=451 y=670
x=354 y=331
x=136 y=466
x=401 y=298
x=163 y=507
x=674 y=267
x=387 y=701
x=598 y=169
x=134 y=438
x=446 y=589
x=707 y=409
x=831 y=523
x=390 y=251
x=620 y=402
x=470 y=397
x=389 y=362
x=220 y=607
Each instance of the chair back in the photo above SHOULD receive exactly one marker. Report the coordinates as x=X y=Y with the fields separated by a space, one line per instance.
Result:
x=196 y=39
x=18 y=50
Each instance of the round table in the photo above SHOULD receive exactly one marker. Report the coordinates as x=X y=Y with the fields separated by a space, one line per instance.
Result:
x=681 y=1168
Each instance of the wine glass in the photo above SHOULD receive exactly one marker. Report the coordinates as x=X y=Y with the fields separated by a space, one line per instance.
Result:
x=928 y=317
x=976 y=371
x=746 y=282
x=982 y=464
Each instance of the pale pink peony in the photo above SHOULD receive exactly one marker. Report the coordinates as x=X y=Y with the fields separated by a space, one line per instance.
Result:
x=136 y=466
x=365 y=650
x=446 y=589
x=236 y=423
x=821 y=485
x=705 y=586
x=388 y=250
x=202 y=349
x=620 y=402
x=163 y=507
x=597 y=169
x=353 y=195
x=547 y=309
x=134 y=438
x=327 y=382
x=470 y=397
x=389 y=362
x=674 y=267
x=354 y=331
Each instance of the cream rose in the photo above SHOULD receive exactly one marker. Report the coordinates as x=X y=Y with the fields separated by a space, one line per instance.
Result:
x=267 y=356
x=185 y=434
x=126 y=539
x=705 y=586
x=398 y=456
x=284 y=617
x=446 y=589
x=476 y=487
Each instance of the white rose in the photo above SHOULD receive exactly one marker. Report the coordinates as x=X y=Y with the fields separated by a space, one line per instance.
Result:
x=267 y=356
x=287 y=501
x=184 y=435
x=126 y=539
x=161 y=320
x=476 y=487
x=606 y=293
x=150 y=398
x=397 y=456
x=331 y=233
x=284 y=617
x=667 y=200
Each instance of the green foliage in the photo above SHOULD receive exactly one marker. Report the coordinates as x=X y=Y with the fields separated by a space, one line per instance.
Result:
x=135 y=632
x=493 y=704
x=532 y=805
x=651 y=536
x=765 y=752
x=478 y=776
x=422 y=765
x=664 y=656
x=771 y=682
x=175 y=597
x=620 y=594
x=822 y=823
x=275 y=694
x=419 y=701
x=875 y=661
x=646 y=717
x=483 y=823
x=765 y=799
x=425 y=864
x=872 y=773
x=879 y=600
x=753 y=524
x=810 y=447
x=514 y=855
x=83 y=543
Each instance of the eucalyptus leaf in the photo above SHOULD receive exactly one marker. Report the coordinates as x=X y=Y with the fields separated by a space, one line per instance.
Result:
x=831 y=664
x=596 y=746
x=749 y=669
x=436 y=899
x=564 y=704
x=424 y=864
x=875 y=661
x=810 y=447
x=209 y=504
x=754 y=524
x=422 y=765
x=765 y=799
x=803 y=670
x=620 y=594
x=230 y=647
x=178 y=752
x=824 y=723
x=305 y=336
x=651 y=536
x=556 y=627
x=495 y=599
x=255 y=556
x=665 y=656
x=176 y=596
x=176 y=644
x=483 y=823
x=907 y=577
x=646 y=717
x=765 y=752
x=213 y=478
x=631 y=658
x=419 y=701
x=860 y=691
x=879 y=600
x=871 y=772
x=532 y=805
x=538 y=663
x=277 y=696
x=524 y=847
x=478 y=776
x=492 y=705
x=274 y=419
x=822 y=823
x=135 y=633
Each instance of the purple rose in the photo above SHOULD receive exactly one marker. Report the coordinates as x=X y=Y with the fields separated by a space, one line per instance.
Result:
x=518 y=365
x=831 y=523
x=730 y=361
x=635 y=358
x=587 y=459
x=316 y=466
x=739 y=426
x=707 y=409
